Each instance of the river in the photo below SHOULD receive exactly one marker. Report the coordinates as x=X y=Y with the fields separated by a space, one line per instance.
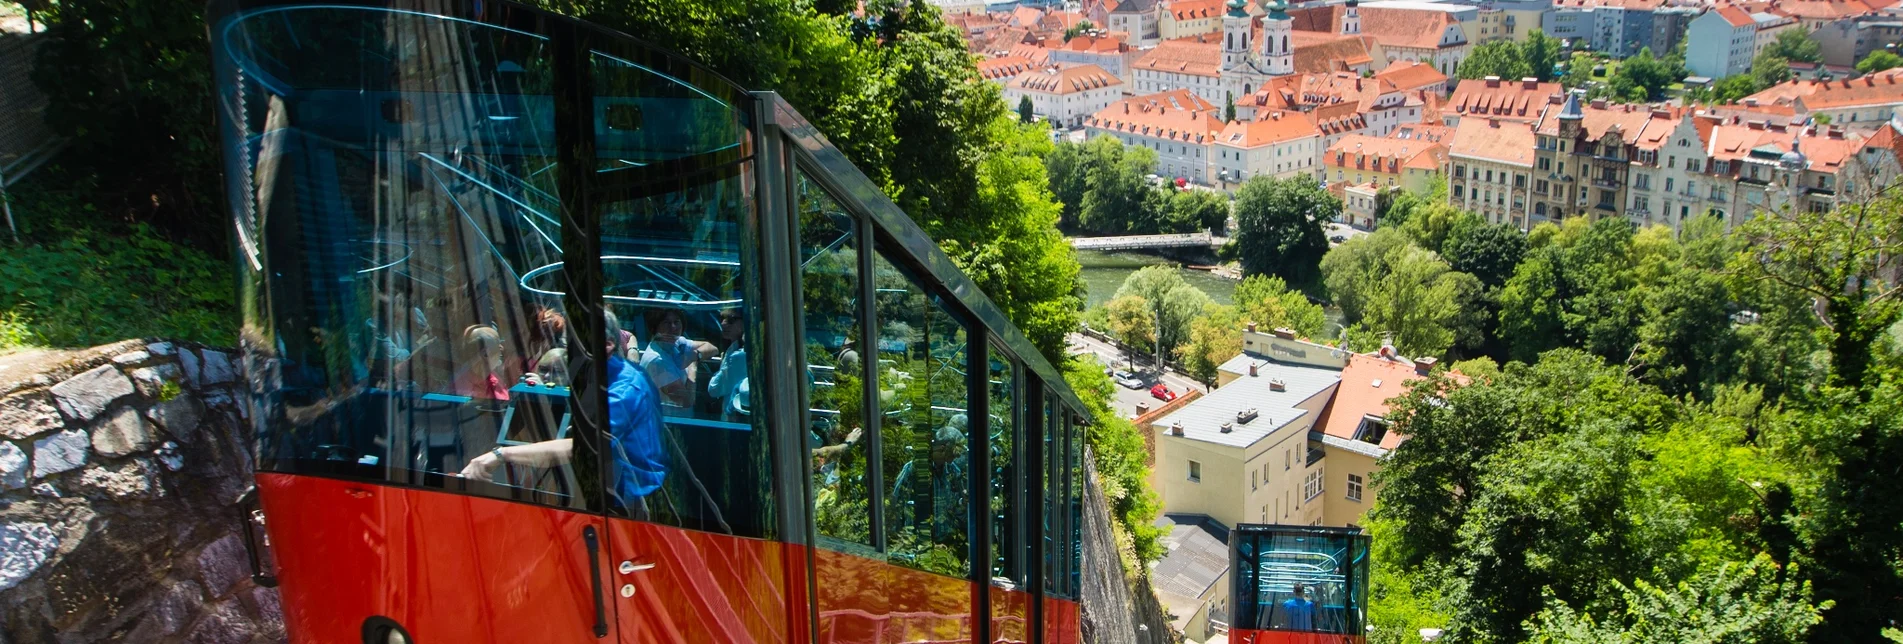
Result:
x=1104 y=271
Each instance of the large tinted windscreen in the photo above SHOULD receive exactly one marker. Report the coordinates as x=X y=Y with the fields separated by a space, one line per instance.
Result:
x=1292 y=578
x=392 y=181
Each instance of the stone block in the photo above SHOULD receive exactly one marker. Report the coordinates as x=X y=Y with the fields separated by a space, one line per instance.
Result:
x=218 y=368
x=131 y=358
x=150 y=380
x=60 y=452
x=28 y=415
x=169 y=455
x=122 y=433
x=174 y=610
x=179 y=416
x=13 y=466
x=132 y=479
x=223 y=564
x=161 y=349
x=222 y=624
x=83 y=396
x=270 y=610
x=24 y=546
x=189 y=360
x=48 y=490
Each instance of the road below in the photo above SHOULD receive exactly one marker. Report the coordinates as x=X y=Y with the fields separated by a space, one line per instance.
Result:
x=1127 y=399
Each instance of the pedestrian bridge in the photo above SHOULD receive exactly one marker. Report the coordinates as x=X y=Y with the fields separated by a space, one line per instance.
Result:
x=1132 y=242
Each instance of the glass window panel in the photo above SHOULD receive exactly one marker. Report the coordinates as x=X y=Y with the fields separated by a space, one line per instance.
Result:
x=1005 y=475
x=1311 y=580
x=1075 y=533
x=393 y=195
x=686 y=448
x=1053 y=524
x=923 y=393
x=829 y=282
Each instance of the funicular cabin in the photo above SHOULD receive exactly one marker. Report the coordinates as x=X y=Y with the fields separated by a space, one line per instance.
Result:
x=1298 y=584
x=555 y=337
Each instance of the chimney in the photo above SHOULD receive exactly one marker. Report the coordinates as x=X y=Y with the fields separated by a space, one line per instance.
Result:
x=1126 y=108
x=1176 y=428
x=1750 y=102
x=1755 y=125
x=1243 y=417
x=1284 y=333
x=1493 y=81
x=1529 y=83
x=1555 y=98
x=1599 y=103
x=1493 y=123
x=1228 y=427
x=1423 y=365
x=1252 y=326
x=1253 y=370
x=1278 y=385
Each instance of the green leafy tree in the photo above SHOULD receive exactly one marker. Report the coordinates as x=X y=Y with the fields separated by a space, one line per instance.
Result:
x=1270 y=303
x=1117 y=199
x=1082 y=27
x=1228 y=107
x=1024 y=110
x=1576 y=291
x=1066 y=168
x=1192 y=210
x=1879 y=61
x=1541 y=53
x=1133 y=321
x=1172 y=302
x=1796 y=45
x=1214 y=338
x=1488 y=252
x=1647 y=77
x=1769 y=69
x=1733 y=88
x=1279 y=228
x=1390 y=286
x=1735 y=603
x=1500 y=58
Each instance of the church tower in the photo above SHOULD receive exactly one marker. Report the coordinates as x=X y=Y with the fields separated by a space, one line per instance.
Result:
x=1351 y=19
x=1277 y=55
x=1235 y=34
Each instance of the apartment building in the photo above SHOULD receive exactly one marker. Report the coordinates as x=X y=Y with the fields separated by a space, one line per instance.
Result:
x=1424 y=32
x=1766 y=29
x=1064 y=95
x=1721 y=43
x=1185 y=18
x=1847 y=41
x=1864 y=101
x=1491 y=171
x=1666 y=179
x=1524 y=100
x=1179 y=125
x=1359 y=159
x=1584 y=155
x=1279 y=144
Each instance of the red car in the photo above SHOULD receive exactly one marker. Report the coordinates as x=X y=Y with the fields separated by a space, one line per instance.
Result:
x=1162 y=392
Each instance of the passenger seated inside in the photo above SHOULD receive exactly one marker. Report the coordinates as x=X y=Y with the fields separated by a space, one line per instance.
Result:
x=481 y=378
x=670 y=357
x=729 y=385
x=634 y=427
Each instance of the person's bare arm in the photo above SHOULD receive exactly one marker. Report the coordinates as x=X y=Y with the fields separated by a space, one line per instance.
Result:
x=543 y=454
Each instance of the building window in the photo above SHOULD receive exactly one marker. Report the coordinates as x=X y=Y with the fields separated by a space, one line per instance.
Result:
x=1252 y=480
x=1312 y=485
x=1195 y=472
x=1354 y=487
x=1288 y=459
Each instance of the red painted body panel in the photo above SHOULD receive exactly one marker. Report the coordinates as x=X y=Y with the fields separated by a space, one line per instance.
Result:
x=1010 y=616
x=1244 y=636
x=703 y=587
x=449 y=568
x=866 y=601
x=1063 y=622
x=467 y=569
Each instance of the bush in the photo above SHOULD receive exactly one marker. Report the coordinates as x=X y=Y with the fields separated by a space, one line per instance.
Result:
x=79 y=279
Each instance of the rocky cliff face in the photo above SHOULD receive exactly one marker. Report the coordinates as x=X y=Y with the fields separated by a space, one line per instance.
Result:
x=118 y=469
x=1118 y=609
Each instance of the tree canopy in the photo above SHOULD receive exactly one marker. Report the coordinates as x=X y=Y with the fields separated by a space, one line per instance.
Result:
x=1279 y=228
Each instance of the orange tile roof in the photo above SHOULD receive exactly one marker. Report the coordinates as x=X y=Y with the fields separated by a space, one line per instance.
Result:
x=1664 y=121
x=1320 y=53
x=1429 y=132
x=1497 y=140
x=1195 y=9
x=1737 y=17
x=1410 y=75
x=1304 y=90
x=1026 y=17
x=1062 y=20
x=1274 y=127
x=1826 y=151
x=1065 y=80
x=1412 y=28
x=1184 y=56
x=1630 y=120
x=1822 y=9
x=1104 y=44
x=1178 y=115
x=1378 y=154
x=1004 y=67
x=1334 y=119
x=1359 y=396
x=1518 y=100
x=1037 y=55
x=1874 y=89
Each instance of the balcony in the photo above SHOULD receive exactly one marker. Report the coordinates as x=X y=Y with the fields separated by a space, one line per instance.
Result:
x=1603 y=182
x=1315 y=454
x=1606 y=207
x=1718 y=197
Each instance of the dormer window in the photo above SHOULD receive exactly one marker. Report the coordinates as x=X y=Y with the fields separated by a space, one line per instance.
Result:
x=1371 y=430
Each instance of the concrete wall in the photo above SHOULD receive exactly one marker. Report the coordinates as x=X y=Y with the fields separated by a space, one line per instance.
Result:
x=118 y=469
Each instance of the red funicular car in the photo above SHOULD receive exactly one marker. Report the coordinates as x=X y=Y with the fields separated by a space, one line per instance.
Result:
x=555 y=337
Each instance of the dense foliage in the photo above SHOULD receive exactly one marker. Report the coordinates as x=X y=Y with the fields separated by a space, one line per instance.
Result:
x=1279 y=228
x=1514 y=60
x=1106 y=189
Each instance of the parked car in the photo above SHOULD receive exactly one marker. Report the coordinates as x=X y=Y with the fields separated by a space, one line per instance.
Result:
x=1127 y=380
x=1162 y=392
x=1338 y=238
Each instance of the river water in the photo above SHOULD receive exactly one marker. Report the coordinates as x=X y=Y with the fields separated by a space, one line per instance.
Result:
x=1104 y=271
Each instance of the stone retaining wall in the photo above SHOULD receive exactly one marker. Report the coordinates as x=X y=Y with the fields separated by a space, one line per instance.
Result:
x=118 y=469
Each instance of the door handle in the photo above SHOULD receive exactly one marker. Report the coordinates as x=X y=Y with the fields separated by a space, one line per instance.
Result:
x=594 y=575
x=630 y=567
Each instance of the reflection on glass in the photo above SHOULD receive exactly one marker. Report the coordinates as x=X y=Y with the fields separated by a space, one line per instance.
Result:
x=675 y=282
x=388 y=196
x=1300 y=579
x=1053 y=490
x=924 y=429
x=1002 y=379
x=1074 y=536
x=829 y=279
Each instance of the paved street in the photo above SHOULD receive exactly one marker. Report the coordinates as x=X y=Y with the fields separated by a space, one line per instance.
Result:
x=1127 y=399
